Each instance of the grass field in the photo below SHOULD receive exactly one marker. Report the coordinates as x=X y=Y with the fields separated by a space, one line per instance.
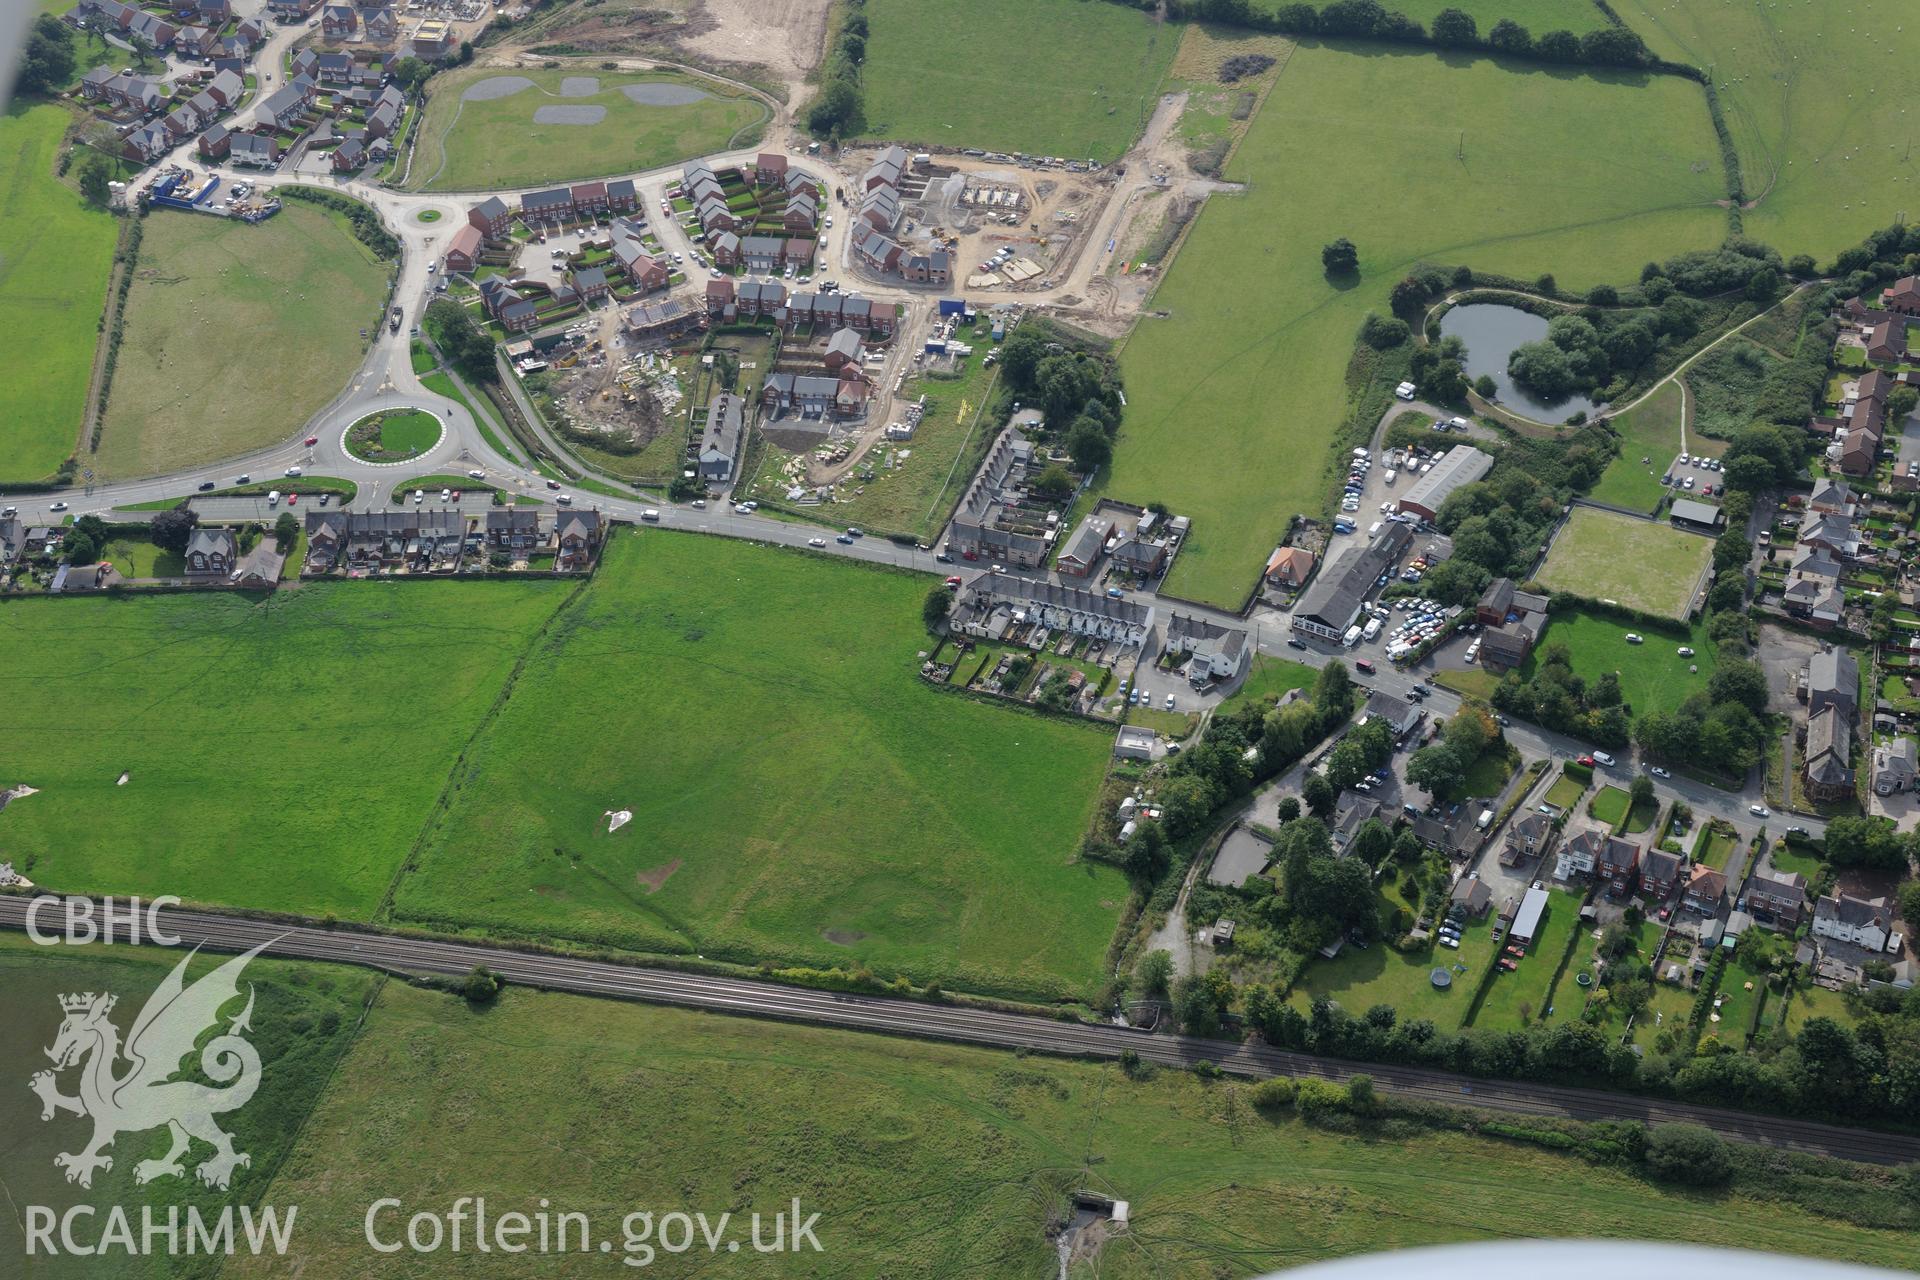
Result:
x=990 y=74
x=302 y=1023
x=913 y=1153
x=282 y=752
x=1652 y=676
x=1644 y=564
x=1650 y=430
x=1269 y=678
x=1236 y=396
x=1358 y=980
x=235 y=336
x=480 y=143
x=54 y=268
x=798 y=793
x=1812 y=94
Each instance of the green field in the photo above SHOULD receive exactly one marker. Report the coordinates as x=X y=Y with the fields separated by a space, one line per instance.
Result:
x=798 y=793
x=1644 y=564
x=478 y=143
x=1236 y=396
x=281 y=752
x=915 y=1154
x=993 y=74
x=302 y=1024
x=235 y=336
x=1650 y=430
x=56 y=255
x=1815 y=97
x=1652 y=676
x=1269 y=678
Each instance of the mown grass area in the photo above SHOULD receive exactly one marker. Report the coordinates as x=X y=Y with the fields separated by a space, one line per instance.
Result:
x=1237 y=395
x=268 y=763
x=136 y=557
x=1713 y=848
x=480 y=143
x=54 y=270
x=302 y=1023
x=1519 y=999
x=235 y=336
x=1790 y=859
x=1359 y=979
x=1812 y=95
x=798 y=793
x=1270 y=678
x=1565 y=792
x=1609 y=805
x=1650 y=431
x=1644 y=564
x=914 y=1153
x=1653 y=677
x=990 y=74
x=442 y=383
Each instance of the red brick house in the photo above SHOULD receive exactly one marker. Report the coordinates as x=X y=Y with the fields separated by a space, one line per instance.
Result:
x=769 y=169
x=1902 y=297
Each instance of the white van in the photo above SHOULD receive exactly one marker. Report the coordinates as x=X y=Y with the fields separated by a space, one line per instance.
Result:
x=1372 y=632
x=1392 y=475
x=650 y=516
x=1373 y=530
x=1603 y=758
x=273 y=498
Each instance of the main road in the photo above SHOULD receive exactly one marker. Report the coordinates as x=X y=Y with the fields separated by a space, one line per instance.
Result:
x=410 y=955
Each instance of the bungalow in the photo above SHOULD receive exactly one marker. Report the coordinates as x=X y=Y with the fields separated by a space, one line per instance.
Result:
x=211 y=553
x=720 y=442
x=1706 y=888
x=1661 y=872
x=1290 y=567
x=1864 y=922
x=769 y=169
x=1527 y=837
x=1776 y=901
x=257 y=149
x=493 y=218
x=463 y=251
x=1894 y=766
x=339 y=22
x=1472 y=896
x=1214 y=652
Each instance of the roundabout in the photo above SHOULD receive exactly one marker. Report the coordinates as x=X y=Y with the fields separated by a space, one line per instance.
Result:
x=427 y=215
x=393 y=436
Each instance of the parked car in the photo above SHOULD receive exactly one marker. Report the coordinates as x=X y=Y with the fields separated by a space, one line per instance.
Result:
x=1170 y=701
x=476 y=474
x=1295 y=642
x=1603 y=758
x=1685 y=652
x=1634 y=637
x=1585 y=760
x=698 y=504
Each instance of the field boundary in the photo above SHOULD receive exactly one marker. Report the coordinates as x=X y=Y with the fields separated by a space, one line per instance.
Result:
x=126 y=259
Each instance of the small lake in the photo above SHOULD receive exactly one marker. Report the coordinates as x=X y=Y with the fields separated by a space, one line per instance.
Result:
x=1491 y=332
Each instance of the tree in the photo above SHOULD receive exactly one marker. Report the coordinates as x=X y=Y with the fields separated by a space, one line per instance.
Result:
x=1318 y=794
x=934 y=609
x=1346 y=765
x=1641 y=792
x=1741 y=681
x=836 y=111
x=1509 y=36
x=1901 y=402
x=1372 y=842
x=172 y=529
x=1054 y=482
x=1910 y=903
x=1544 y=368
x=1437 y=770
x=1021 y=354
x=1361 y=1098
x=286 y=532
x=1455 y=29
x=47 y=67
x=482 y=985
x=410 y=73
x=461 y=341
x=1089 y=446
x=1152 y=974
x=1340 y=258
x=94 y=181
x=1195 y=1005
x=1288 y=809
x=1486 y=388
x=80 y=546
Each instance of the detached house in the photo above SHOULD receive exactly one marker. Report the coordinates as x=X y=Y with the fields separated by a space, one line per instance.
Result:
x=1776 y=901
x=1894 y=767
x=211 y=553
x=339 y=22
x=1214 y=652
x=1902 y=297
x=720 y=442
x=1527 y=837
x=1705 y=890
x=492 y=217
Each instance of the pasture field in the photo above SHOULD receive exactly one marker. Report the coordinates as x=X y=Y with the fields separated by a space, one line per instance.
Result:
x=992 y=74
x=1237 y=395
x=913 y=1153
x=1650 y=430
x=302 y=1023
x=481 y=133
x=282 y=752
x=210 y=299
x=54 y=270
x=1815 y=97
x=1644 y=564
x=798 y=794
x=1652 y=676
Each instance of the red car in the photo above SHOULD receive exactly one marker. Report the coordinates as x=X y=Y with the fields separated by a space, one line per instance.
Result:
x=312 y=441
x=1585 y=760
x=1516 y=953
x=1508 y=966
x=954 y=580
x=293 y=499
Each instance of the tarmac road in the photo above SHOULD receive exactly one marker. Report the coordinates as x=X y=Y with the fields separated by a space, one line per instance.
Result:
x=408 y=955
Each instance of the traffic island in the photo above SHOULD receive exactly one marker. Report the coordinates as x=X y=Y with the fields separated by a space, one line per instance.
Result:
x=393 y=435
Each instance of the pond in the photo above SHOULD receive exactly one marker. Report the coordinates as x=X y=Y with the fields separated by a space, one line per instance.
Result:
x=1491 y=331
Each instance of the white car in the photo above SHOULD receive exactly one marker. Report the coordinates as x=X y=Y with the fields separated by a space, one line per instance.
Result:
x=1758 y=811
x=292 y=473
x=1655 y=770
x=816 y=542
x=476 y=474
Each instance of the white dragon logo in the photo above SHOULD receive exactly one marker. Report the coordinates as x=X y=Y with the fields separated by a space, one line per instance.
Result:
x=147 y=1096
